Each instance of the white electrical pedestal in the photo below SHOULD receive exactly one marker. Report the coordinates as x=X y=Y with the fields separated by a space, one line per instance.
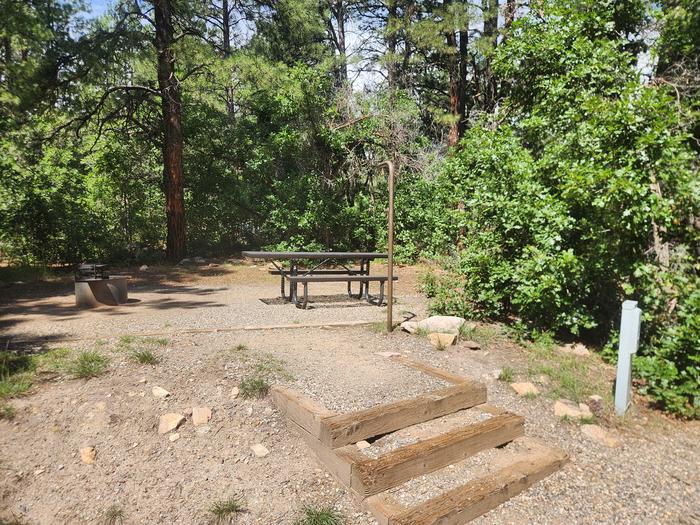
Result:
x=629 y=342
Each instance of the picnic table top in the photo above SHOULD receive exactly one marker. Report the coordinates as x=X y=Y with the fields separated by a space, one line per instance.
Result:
x=314 y=255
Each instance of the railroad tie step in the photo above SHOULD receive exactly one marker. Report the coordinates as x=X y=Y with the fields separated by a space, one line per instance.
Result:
x=370 y=476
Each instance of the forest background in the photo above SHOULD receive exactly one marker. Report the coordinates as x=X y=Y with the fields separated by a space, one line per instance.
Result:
x=547 y=149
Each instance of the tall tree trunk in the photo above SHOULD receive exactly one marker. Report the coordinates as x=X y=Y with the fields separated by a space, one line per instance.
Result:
x=463 y=79
x=226 y=50
x=340 y=14
x=391 y=41
x=490 y=34
x=171 y=108
x=453 y=72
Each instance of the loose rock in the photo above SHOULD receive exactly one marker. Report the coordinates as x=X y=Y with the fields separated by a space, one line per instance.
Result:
x=160 y=392
x=259 y=450
x=201 y=415
x=439 y=340
x=446 y=324
x=595 y=403
x=234 y=392
x=174 y=437
x=88 y=455
x=524 y=388
x=600 y=435
x=575 y=349
x=362 y=445
x=387 y=354
x=471 y=345
x=169 y=422
x=143 y=267
x=566 y=408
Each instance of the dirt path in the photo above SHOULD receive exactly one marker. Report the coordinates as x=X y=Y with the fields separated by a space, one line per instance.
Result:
x=651 y=477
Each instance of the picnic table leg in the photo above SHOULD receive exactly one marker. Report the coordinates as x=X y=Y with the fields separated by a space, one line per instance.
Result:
x=381 y=293
x=306 y=296
x=293 y=286
x=365 y=295
x=282 y=294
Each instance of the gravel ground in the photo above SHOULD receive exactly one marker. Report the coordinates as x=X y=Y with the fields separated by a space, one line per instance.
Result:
x=234 y=296
x=653 y=476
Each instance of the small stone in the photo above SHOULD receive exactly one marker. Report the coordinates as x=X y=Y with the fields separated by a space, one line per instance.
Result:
x=440 y=340
x=595 y=403
x=39 y=471
x=143 y=267
x=471 y=345
x=169 y=422
x=523 y=389
x=201 y=415
x=234 y=392
x=259 y=450
x=142 y=380
x=174 y=437
x=88 y=455
x=599 y=434
x=566 y=408
x=268 y=411
x=386 y=354
x=203 y=429
x=160 y=392
x=543 y=379
x=362 y=445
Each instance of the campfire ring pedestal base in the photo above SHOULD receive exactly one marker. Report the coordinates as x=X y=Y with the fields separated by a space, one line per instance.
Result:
x=90 y=293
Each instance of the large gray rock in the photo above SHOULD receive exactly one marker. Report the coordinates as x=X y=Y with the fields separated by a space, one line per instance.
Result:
x=445 y=324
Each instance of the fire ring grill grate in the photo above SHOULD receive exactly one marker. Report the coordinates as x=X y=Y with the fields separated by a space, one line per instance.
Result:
x=91 y=272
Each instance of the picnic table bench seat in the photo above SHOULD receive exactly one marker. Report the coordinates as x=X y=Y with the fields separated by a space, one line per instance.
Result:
x=314 y=278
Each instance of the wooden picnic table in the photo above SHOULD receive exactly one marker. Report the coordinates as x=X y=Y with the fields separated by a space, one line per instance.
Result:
x=319 y=260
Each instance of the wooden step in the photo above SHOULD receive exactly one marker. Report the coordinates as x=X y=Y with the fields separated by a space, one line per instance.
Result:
x=370 y=476
x=466 y=502
x=343 y=429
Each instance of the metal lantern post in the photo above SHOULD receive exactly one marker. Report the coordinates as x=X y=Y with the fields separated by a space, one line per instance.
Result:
x=390 y=250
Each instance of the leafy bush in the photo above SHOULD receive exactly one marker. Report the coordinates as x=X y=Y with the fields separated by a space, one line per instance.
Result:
x=588 y=195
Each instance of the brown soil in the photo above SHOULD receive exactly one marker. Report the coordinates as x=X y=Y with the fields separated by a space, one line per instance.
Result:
x=652 y=477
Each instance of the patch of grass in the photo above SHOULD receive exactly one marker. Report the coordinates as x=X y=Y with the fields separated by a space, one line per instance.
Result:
x=224 y=510
x=114 y=516
x=571 y=377
x=421 y=332
x=379 y=327
x=507 y=375
x=145 y=356
x=530 y=395
x=253 y=387
x=100 y=343
x=53 y=360
x=7 y=411
x=126 y=340
x=587 y=420
x=319 y=516
x=16 y=374
x=240 y=349
x=156 y=341
x=483 y=334
x=88 y=364
x=270 y=366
